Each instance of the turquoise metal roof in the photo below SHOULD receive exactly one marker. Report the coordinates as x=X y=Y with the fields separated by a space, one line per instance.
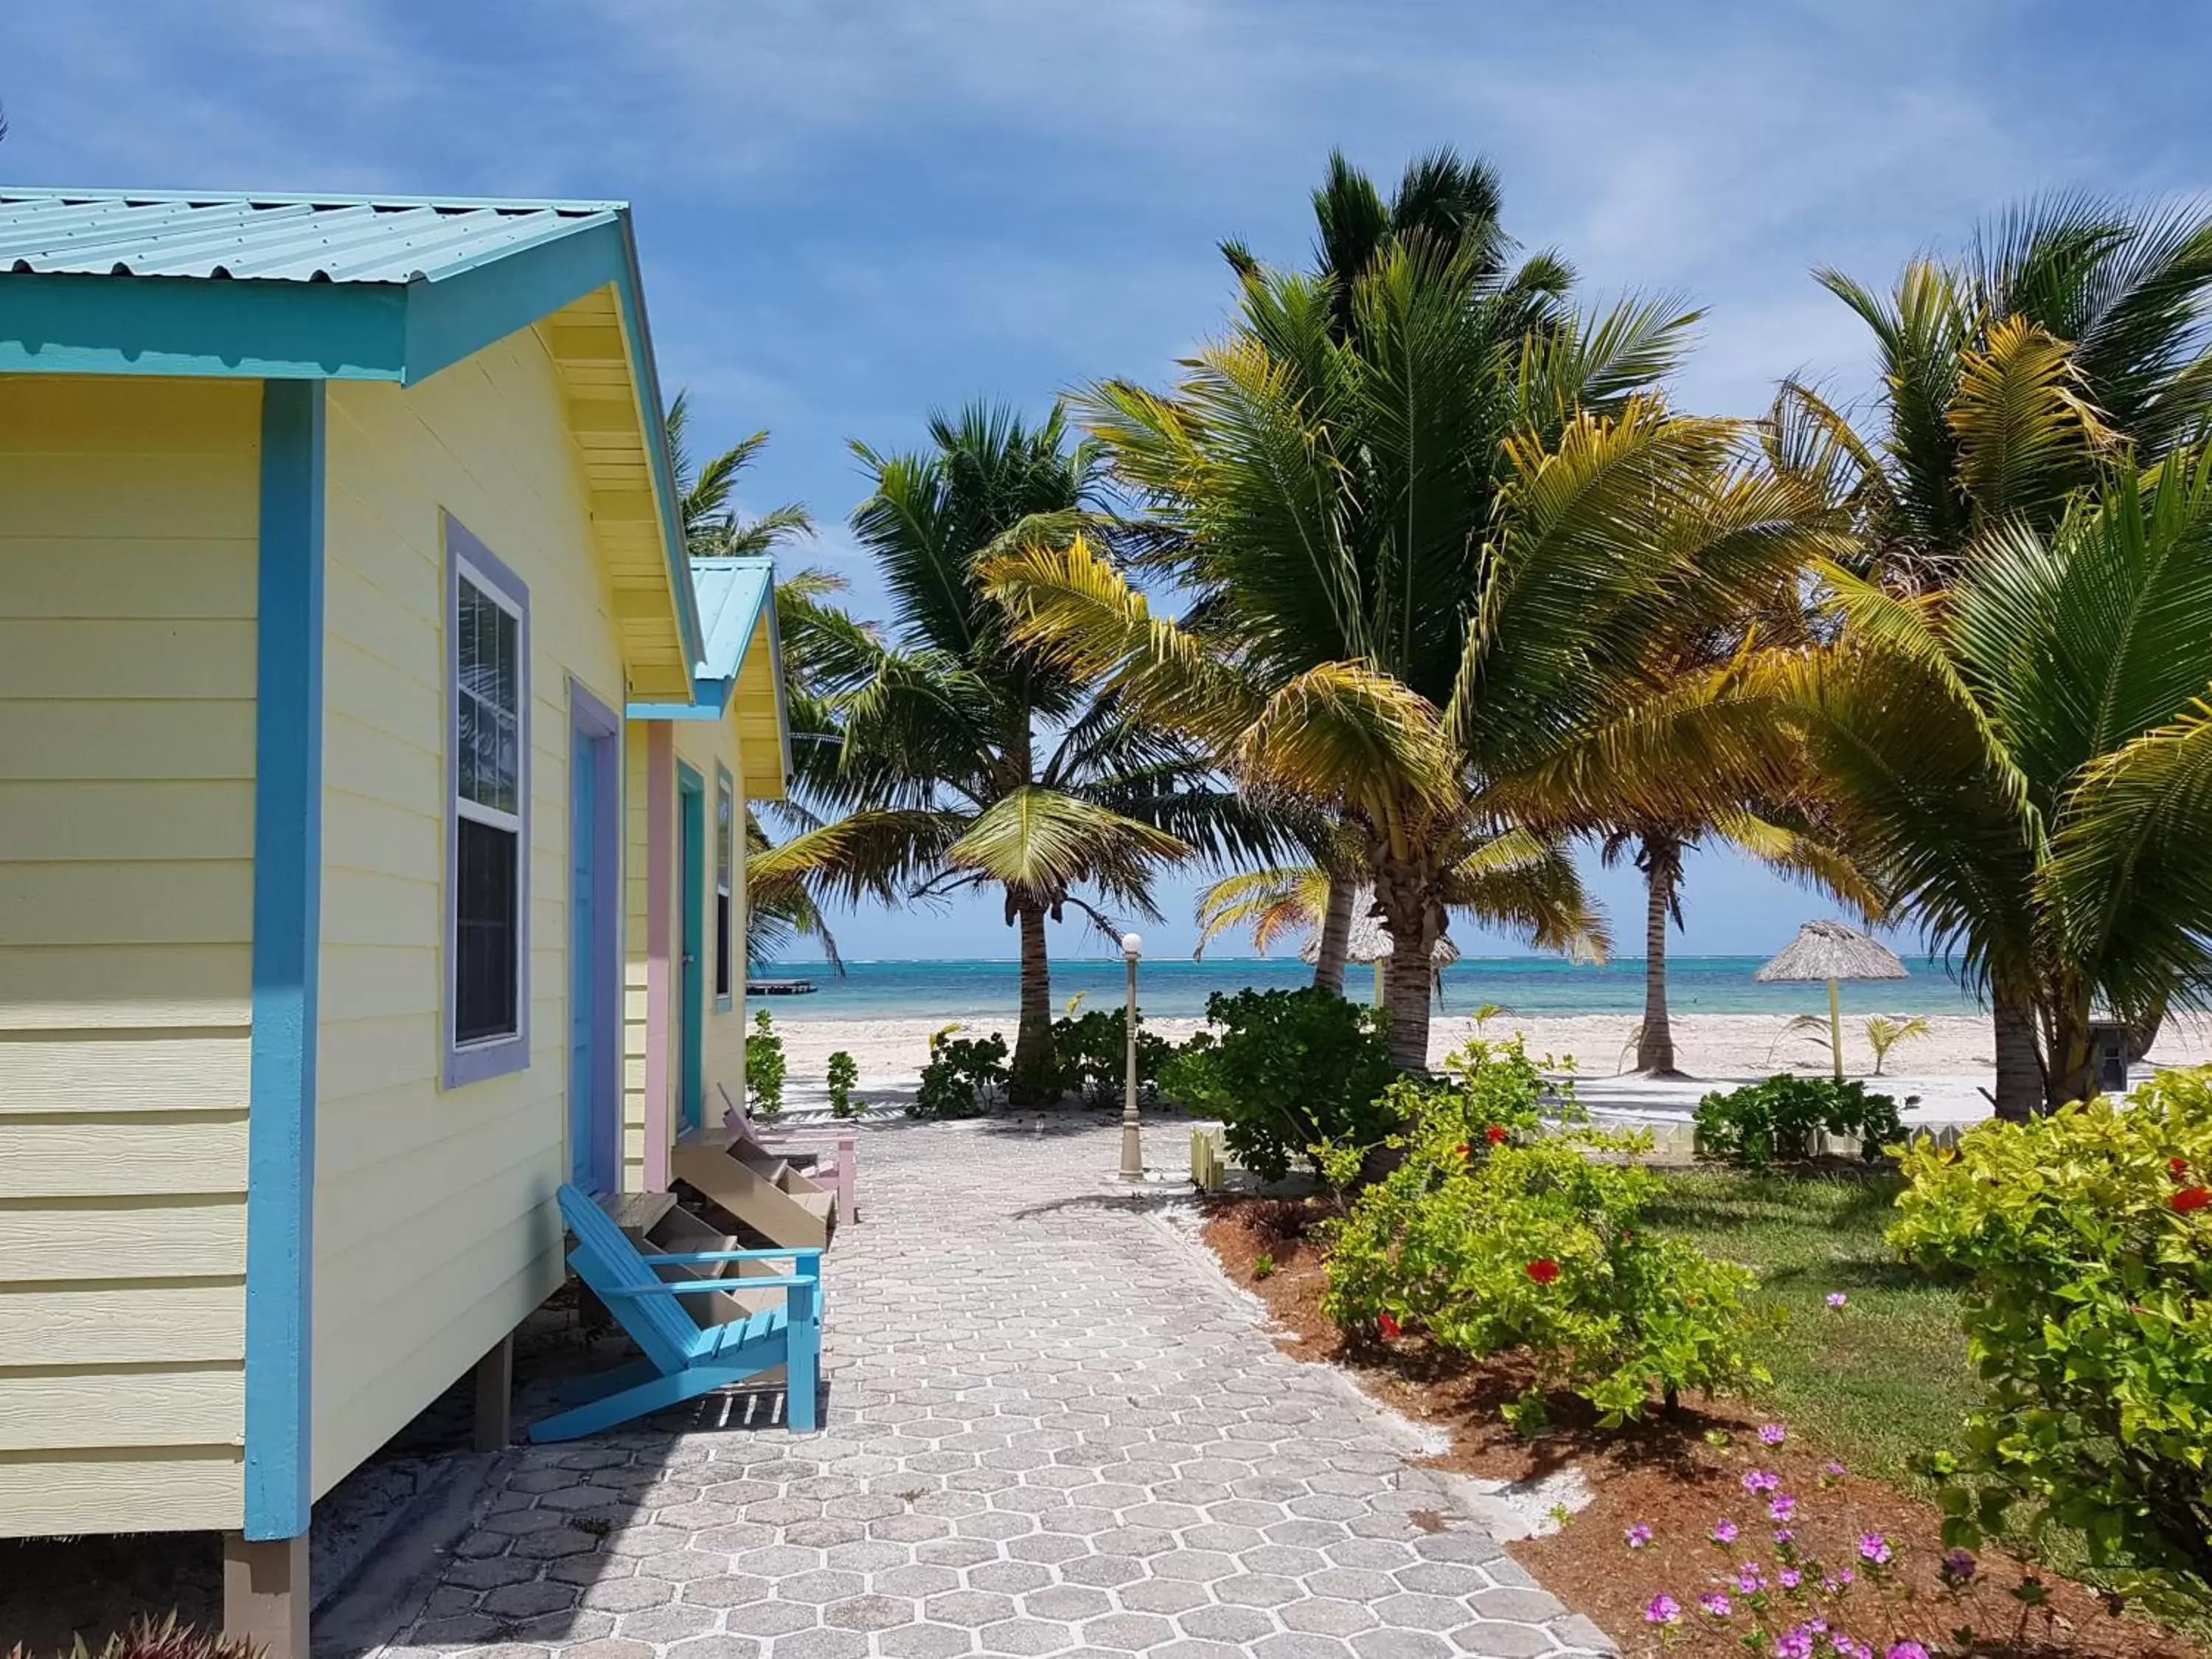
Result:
x=734 y=594
x=299 y=238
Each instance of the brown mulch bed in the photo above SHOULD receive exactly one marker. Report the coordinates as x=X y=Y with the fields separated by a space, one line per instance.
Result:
x=1670 y=1476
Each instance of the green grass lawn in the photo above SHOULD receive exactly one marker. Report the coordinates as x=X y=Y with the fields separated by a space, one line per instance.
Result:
x=1880 y=1381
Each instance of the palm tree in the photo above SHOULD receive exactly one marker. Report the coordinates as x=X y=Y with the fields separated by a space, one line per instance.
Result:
x=1444 y=203
x=966 y=759
x=1437 y=546
x=712 y=528
x=2071 y=338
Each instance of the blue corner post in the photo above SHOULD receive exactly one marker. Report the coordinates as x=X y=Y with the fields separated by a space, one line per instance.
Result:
x=288 y=835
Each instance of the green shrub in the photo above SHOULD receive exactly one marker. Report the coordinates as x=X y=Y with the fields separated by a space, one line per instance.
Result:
x=2086 y=1240
x=764 y=1070
x=1093 y=1056
x=1290 y=1070
x=1496 y=1236
x=964 y=1078
x=844 y=1073
x=1761 y=1122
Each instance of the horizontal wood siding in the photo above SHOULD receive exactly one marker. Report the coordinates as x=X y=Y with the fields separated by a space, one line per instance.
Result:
x=128 y=525
x=637 y=842
x=435 y=1227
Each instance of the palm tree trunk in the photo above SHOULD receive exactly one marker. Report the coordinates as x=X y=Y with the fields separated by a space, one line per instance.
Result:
x=1654 y=1043
x=1408 y=993
x=1335 y=936
x=2018 y=1093
x=1033 y=1058
x=2072 y=1068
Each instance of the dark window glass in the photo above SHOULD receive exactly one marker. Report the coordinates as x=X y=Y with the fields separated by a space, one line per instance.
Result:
x=721 y=944
x=484 y=920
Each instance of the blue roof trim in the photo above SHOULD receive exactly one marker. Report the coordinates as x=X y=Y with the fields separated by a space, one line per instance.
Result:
x=729 y=596
x=353 y=289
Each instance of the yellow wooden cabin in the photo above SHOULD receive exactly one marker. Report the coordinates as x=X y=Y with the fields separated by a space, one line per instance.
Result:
x=351 y=666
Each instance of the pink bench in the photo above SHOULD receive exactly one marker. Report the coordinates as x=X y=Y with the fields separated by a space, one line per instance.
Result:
x=836 y=1152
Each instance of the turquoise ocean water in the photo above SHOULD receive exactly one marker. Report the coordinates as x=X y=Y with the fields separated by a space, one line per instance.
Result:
x=1171 y=988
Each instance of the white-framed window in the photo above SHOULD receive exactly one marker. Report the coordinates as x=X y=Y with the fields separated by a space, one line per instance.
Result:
x=725 y=874
x=488 y=796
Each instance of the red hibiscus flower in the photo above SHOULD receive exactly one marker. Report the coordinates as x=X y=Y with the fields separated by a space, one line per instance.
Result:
x=1494 y=1133
x=1389 y=1327
x=2177 y=1167
x=2191 y=1198
x=1543 y=1270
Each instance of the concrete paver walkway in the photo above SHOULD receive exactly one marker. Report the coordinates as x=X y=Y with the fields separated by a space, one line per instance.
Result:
x=1051 y=1430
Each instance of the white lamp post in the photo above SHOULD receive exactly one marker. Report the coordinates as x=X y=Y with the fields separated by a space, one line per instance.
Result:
x=1132 y=1141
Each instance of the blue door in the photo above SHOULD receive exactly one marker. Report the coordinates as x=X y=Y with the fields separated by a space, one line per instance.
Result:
x=586 y=1159
x=692 y=858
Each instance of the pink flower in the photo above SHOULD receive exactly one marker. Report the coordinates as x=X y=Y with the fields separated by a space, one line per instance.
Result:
x=1724 y=1532
x=1783 y=1535
x=1794 y=1644
x=1761 y=1480
x=1906 y=1650
x=1664 y=1609
x=1834 y=1471
x=1837 y=1299
x=1747 y=1578
x=1638 y=1535
x=1772 y=1434
x=1788 y=1578
x=1715 y=1604
x=1874 y=1548
x=1959 y=1567
x=1782 y=1507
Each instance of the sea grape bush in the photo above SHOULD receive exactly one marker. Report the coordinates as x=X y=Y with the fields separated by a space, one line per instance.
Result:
x=2086 y=1238
x=964 y=1078
x=764 y=1069
x=1761 y=1122
x=1494 y=1234
x=1289 y=1072
x=1091 y=1052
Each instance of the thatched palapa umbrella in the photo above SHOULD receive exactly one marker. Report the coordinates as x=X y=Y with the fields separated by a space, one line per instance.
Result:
x=1832 y=952
x=1369 y=941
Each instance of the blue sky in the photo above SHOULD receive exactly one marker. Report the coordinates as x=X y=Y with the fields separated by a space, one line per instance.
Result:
x=851 y=214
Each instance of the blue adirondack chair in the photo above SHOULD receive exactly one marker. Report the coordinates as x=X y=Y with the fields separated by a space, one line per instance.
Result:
x=684 y=1360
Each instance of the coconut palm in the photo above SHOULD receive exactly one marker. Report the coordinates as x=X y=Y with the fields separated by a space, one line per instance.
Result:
x=967 y=760
x=2023 y=759
x=712 y=527
x=2071 y=338
x=1425 y=553
x=1445 y=203
x=2072 y=328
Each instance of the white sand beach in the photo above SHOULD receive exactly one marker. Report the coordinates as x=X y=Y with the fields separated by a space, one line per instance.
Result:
x=1945 y=1068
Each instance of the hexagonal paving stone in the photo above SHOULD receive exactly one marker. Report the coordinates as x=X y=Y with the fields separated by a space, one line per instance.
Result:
x=1162 y=1595
x=770 y=1618
x=1495 y=1638
x=1067 y=1602
x=926 y=1641
x=1102 y=1571
x=974 y=1609
x=1241 y=1625
x=1027 y=1637
x=669 y=1624
x=1129 y=1632
x=1324 y=1615
x=820 y=1644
